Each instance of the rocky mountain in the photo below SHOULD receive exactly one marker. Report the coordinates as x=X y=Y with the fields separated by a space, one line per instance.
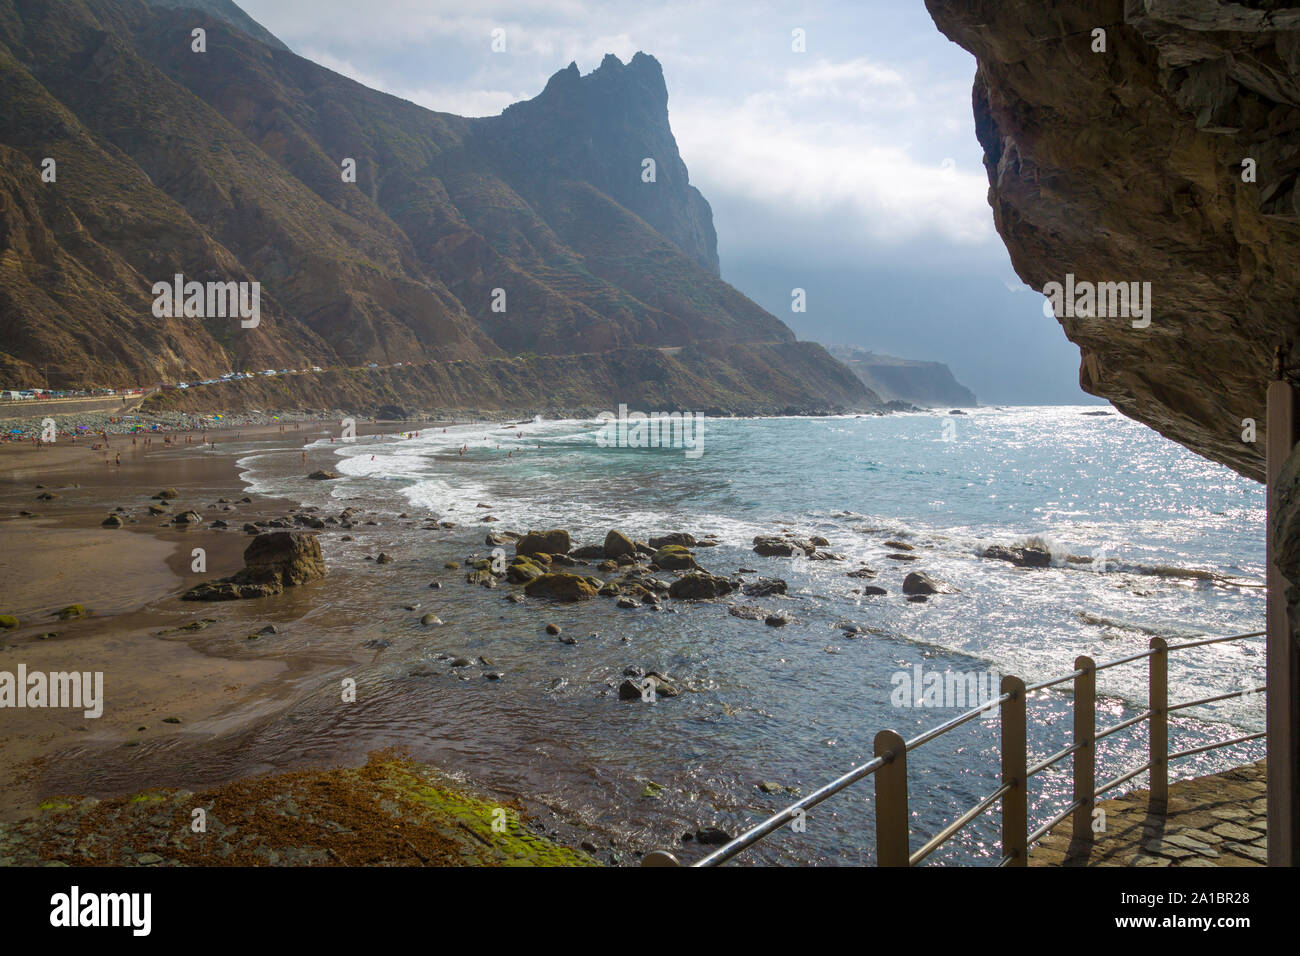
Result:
x=927 y=384
x=1152 y=142
x=127 y=157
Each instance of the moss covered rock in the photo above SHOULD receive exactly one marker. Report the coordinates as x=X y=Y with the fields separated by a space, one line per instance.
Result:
x=618 y=544
x=561 y=586
x=674 y=557
x=523 y=569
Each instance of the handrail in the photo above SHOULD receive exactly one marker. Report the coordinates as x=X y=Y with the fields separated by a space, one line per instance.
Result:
x=891 y=752
x=755 y=834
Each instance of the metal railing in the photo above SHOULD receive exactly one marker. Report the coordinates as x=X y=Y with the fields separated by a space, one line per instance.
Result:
x=889 y=765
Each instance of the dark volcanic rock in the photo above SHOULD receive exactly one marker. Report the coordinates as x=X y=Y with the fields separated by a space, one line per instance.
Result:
x=544 y=542
x=700 y=585
x=273 y=561
x=777 y=546
x=676 y=537
x=918 y=582
x=1021 y=557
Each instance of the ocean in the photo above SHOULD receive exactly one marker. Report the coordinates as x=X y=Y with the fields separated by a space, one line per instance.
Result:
x=1147 y=539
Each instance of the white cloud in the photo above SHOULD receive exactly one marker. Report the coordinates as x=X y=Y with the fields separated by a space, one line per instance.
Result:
x=837 y=138
x=854 y=132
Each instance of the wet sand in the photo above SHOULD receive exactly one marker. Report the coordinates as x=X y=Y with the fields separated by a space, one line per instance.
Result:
x=177 y=679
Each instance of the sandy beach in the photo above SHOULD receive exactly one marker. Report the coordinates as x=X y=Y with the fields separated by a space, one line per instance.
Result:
x=164 y=659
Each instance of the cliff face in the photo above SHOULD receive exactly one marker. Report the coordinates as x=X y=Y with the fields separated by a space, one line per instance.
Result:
x=460 y=239
x=1128 y=165
x=928 y=384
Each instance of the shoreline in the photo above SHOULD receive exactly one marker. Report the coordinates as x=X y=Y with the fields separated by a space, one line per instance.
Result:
x=180 y=681
x=237 y=695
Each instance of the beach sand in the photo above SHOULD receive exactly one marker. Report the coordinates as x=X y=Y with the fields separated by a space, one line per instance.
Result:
x=163 y=659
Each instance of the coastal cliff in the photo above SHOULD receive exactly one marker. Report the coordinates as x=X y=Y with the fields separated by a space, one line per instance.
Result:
x=377 y=231
x=1121 y=156
x=926 y=384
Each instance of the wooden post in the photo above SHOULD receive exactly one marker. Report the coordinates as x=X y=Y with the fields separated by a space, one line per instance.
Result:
x=1158 y=723
x=1015 y=772
x=893 y=847
x=1085 y=737
x=1282 y=705
x=659 y=858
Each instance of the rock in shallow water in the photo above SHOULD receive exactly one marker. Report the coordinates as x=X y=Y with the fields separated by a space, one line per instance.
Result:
x=563 y=586
x=920 y=583
x=272 y=561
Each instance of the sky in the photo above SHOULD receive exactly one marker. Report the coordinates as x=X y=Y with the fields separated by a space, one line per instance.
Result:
x=849 y=169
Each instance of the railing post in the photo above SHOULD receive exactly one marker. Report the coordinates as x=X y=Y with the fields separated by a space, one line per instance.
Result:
x=1085 y=739
x=1282 y=703
x=1015 y=771
x=659 y=858
x=893 y=846
x=1158 y=696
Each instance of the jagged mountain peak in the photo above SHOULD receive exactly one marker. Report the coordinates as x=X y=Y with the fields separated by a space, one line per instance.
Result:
x=602 y=128
x=454 y=241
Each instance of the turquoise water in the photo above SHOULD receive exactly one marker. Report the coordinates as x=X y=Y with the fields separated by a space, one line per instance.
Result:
x=1177 y=551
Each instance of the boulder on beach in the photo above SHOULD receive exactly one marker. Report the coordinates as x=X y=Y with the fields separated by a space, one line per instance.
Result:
x=273 y=561
x=1021 y=557
x=772 y=546
x=676 y=537
x=561 y=586
x=188 y=518
x=700 y=585
x=112 y=521
x=322 y=475
x=647 y=688
x=544 y=542
x=775 y=546
x=918 y=582
x=523 y=569
x=167 y=493
x=674 y=557
x=618 y=544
